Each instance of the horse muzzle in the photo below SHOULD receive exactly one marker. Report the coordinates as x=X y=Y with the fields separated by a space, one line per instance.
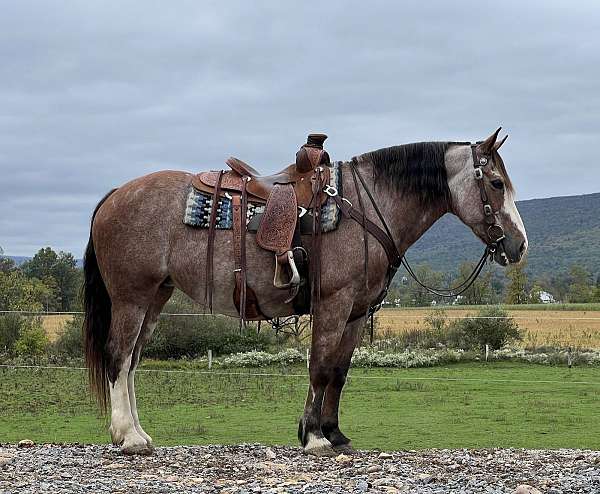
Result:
x=511 y=250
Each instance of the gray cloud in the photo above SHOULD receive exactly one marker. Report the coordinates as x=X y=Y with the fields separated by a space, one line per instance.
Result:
x=94 y=94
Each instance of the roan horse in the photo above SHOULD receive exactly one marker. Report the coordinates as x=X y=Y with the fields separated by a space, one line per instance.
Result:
x=139 y=250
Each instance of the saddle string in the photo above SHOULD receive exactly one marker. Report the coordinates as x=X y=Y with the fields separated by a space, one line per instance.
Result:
x=243 y=266
x=210 y=248
x=316 y=242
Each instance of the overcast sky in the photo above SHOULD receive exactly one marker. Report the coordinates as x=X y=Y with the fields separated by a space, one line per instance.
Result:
x=93 y=94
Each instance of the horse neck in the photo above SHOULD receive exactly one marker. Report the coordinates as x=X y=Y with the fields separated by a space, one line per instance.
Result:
x=404 y=214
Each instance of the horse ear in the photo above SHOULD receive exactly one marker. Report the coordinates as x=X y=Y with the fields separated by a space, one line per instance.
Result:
x=487 y=145
x=498 y=145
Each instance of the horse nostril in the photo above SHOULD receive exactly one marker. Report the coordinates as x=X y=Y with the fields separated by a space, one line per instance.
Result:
x=522 y=248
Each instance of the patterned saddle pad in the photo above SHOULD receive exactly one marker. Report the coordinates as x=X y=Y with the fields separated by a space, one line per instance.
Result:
x=199 y=206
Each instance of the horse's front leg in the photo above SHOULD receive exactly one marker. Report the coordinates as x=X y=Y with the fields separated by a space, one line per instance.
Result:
x=328 y=327
x=331 y=403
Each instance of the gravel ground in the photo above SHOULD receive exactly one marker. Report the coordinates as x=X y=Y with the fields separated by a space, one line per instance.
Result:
x=250 y=468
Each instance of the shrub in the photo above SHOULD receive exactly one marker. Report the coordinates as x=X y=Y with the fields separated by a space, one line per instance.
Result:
x=10 y=330
x=492 y=326
x=32 y=341
x=262 y=359
x=368 y=357
x=182 y=336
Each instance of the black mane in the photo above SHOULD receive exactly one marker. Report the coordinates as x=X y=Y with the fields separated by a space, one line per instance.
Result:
x=416 y=168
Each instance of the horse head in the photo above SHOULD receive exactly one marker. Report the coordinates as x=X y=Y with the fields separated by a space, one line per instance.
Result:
x=484 y=199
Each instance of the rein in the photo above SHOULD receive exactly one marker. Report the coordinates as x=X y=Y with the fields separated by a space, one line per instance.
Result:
x=495 y=233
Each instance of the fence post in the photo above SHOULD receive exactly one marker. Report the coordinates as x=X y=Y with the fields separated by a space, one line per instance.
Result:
x=209 y=359
x=569 y=358
x=487 y=352
x=307 y=359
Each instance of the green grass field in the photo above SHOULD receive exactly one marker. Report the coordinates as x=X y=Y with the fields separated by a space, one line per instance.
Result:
x=488 y=405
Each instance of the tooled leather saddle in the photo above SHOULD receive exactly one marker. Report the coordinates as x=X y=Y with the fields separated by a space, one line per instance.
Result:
x=286 y=196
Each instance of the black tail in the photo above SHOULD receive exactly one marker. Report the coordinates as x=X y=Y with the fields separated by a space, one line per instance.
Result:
x=96 y=324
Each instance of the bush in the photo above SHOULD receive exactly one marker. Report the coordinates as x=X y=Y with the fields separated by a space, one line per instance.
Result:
x=290 y=356
x=70 y=342
x=182 y=336
x=10 y=331
x=492 y=326
x=32 y=341
x=368 y=357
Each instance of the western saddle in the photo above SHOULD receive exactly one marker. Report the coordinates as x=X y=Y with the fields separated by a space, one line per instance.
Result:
x=285 y=196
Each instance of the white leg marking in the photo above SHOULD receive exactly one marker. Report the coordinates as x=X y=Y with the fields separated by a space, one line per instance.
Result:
x=132 y=398
x=122 y=427
x=133 y=404
x=315 y=443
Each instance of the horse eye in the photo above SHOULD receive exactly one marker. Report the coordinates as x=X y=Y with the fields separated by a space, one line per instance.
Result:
x=497 y=184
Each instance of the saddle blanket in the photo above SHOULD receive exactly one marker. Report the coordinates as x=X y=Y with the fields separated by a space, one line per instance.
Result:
x=199 y=206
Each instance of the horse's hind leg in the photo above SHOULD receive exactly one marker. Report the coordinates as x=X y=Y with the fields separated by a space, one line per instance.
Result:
x=148 y=326
x=126 y=323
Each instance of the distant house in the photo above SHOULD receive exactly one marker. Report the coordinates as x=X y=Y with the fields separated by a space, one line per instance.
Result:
x=547 y=298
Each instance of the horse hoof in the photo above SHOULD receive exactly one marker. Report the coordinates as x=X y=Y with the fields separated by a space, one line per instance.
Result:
x=138 y=450
x=346 y=449
x=319 y=447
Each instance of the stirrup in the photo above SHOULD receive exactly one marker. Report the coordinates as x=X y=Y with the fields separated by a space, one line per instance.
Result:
x=294 y=279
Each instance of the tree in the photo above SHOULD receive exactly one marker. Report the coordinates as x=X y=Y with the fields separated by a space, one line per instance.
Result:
x=479 y=292
x=535 y=295
x=581 y=289
x=17 y=292
x=412 y=294
x=6 y=263
x=62 y=268
x=516 y=292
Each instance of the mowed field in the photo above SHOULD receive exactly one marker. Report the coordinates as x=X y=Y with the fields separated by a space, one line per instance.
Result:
x=475 y=405
x=54 y=324
x=572 y=325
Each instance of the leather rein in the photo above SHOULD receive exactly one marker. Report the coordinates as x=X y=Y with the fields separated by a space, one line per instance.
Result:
x=495 y=232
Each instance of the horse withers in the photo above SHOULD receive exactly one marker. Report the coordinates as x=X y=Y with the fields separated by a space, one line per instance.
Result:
x=139 y=250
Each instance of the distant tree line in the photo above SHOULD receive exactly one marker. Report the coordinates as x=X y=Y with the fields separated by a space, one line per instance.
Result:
x=48 y=282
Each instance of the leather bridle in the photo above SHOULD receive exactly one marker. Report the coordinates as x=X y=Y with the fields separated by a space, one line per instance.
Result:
x=494 y=232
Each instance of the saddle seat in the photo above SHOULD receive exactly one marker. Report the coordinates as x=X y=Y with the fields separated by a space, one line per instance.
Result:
x=259 y=187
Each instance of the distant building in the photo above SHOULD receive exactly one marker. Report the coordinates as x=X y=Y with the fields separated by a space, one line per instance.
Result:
x=547 y=298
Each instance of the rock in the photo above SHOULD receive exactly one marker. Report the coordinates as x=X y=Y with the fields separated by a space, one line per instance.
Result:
x=425 y=478
x=270 y=454
x=526 y=489
x=26 y=443
x=374 y=468
x=362 y=486
x=385 y=456
x=5 y=458
x=343 y=458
